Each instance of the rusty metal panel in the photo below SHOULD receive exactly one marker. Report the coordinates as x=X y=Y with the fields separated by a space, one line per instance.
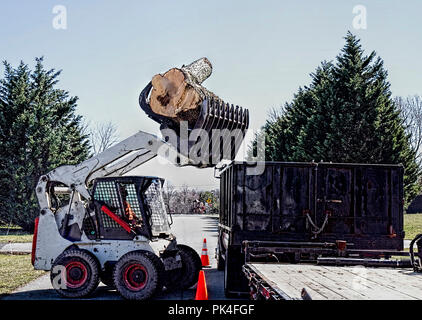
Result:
x=295 y=197
x=359 y=203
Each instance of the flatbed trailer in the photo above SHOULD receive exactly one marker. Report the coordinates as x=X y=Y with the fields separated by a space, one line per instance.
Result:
x=330 y=271
x=280 y=281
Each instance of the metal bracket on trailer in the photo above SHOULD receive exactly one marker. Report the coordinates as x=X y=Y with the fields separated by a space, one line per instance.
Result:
x=258 y=287
x=333 y=254
x=416 y=263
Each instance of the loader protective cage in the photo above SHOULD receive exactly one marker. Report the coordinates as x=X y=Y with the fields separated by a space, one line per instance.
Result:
x=143 y=194
x=232 y=121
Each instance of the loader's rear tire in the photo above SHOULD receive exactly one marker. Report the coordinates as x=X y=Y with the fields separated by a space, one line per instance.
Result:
x=187 y=276
x=221 y=263
x=75 y=274
x=138 y=275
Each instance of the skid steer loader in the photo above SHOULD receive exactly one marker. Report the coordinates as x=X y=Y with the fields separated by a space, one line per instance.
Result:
x=97 y=224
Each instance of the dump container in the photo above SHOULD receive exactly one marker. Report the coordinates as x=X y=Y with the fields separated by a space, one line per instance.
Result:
x=324 y=202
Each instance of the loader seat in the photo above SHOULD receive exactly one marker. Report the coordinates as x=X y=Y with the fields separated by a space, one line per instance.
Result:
x=130 y=216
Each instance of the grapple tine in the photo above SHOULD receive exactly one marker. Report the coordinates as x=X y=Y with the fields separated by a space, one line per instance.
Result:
x=242 y=125
x=209 y=116
x=238 y=126
x=225 y=126
x=228 y=143
x=217 y=125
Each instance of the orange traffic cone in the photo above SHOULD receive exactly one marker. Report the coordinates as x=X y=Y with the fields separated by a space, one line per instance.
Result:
x=201 y=289
x=204 y=256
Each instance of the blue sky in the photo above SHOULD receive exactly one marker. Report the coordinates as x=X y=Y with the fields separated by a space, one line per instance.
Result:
x=261 y=51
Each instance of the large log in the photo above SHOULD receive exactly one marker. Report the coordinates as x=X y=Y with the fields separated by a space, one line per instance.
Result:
x=178 y=93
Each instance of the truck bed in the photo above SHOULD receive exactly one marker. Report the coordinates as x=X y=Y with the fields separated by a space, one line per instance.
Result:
x=286 y=281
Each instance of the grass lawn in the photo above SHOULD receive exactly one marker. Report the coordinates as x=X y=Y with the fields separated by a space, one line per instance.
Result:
x=16 y=238
x=15 y=271
x=14 y=235
x=412 y=225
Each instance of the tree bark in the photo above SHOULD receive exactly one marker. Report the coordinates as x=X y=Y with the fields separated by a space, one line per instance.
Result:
x=178 y=93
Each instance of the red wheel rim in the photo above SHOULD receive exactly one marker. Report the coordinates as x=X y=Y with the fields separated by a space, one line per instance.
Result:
x=76 y=274
x=135 y=276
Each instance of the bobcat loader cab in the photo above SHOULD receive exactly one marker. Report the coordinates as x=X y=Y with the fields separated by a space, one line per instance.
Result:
x=97 y=224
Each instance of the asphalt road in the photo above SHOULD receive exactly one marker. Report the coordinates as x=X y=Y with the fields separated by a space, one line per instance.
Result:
x=189 y=230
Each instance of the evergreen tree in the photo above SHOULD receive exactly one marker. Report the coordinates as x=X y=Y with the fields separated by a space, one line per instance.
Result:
x=39 y=131
x=347 y=114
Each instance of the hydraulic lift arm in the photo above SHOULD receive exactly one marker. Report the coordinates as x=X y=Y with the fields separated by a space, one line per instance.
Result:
x=115 y=161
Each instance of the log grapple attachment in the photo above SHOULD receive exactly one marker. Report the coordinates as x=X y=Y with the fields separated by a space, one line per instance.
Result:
x=216 y=134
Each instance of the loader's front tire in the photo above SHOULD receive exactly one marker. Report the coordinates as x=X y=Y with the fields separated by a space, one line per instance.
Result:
x=188 y=274
x=75 y=274
x=138 y=275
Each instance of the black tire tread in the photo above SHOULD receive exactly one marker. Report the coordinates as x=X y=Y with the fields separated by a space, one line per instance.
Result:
x=189 y=276
x=221 y=264
x=92 y=263
x=146 y=258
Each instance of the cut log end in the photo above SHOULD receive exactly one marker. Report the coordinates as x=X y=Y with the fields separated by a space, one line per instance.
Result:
x=178 y=93
x=173 y=97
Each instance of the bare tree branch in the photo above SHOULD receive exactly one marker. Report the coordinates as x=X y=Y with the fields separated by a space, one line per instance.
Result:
x=85 y=127
x=103 y=136
x=168 y=194
x=411 y=113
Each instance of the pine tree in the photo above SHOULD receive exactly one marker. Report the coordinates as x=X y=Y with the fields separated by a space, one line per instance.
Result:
x=39 y=131
x=346 y=114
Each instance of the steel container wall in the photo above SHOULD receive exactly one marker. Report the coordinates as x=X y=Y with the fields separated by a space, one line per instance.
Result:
x=362 y=202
